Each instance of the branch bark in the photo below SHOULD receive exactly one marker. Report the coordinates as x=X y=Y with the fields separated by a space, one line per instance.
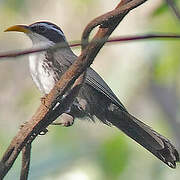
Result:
x=26 y=157
x=48 y=112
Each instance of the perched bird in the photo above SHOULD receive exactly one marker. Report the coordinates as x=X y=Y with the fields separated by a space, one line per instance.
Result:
x=95 y=98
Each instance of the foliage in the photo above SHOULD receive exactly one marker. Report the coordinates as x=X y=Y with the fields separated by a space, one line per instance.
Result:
x=113 y=156
x=14 y=4
x=163 y=8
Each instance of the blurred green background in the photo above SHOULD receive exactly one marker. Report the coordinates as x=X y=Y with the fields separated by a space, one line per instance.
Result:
x=144 y=75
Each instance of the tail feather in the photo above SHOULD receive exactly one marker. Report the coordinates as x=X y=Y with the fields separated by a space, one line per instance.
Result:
x=157 y=144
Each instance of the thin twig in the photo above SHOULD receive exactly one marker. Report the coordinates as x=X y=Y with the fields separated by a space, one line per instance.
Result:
x=152 y=36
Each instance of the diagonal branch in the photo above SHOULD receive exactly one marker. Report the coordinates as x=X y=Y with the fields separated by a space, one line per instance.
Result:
x=48 y=112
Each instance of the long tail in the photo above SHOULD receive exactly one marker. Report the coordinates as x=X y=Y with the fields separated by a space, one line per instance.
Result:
x=157 y=144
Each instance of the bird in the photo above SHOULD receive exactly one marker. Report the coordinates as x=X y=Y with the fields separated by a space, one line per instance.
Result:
x=95 y=99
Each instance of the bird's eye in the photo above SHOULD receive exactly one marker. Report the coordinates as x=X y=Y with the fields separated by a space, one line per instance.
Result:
x=41 y=29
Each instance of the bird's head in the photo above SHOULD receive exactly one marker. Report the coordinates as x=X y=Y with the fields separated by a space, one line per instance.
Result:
x=41 y=32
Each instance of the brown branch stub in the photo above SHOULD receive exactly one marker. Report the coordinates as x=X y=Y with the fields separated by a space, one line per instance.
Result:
x=48 y=112
x=26 y=157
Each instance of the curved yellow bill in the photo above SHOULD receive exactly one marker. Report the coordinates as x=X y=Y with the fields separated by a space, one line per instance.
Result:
x=19 y=28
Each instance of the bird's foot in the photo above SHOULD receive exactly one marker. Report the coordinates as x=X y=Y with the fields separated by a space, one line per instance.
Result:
x=65 y=120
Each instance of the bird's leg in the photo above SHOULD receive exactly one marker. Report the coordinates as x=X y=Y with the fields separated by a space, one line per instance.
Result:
x=65 y=120
x=76 y=110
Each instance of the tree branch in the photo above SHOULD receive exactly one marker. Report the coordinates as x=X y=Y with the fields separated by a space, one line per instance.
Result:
x=26 y=157
x=152 y=36
x=47 y=111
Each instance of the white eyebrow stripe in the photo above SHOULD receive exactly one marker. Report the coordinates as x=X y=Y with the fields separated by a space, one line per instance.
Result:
x=52 y=27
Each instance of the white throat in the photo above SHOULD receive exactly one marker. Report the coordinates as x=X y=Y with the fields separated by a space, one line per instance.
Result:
x=38 y=65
